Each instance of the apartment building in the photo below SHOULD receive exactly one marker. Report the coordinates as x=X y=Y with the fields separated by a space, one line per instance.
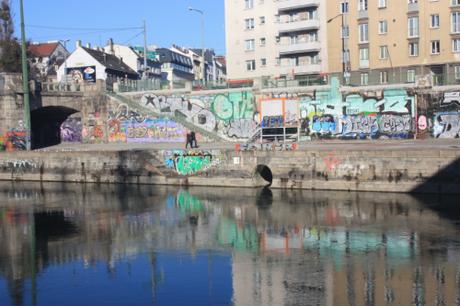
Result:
x=275 y=38
x=394 y=41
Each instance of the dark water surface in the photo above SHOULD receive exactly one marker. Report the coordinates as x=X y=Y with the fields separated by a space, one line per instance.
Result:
x=69 y=244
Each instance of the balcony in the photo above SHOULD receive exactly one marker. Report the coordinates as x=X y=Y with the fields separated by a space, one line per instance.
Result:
x=412 y=7
x=300 y=25
x=303 y=47
x=304 y=69
x=286 y=5
x=363 y=14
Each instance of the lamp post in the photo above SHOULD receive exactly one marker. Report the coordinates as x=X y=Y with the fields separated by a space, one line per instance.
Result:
x=202 y=42
x=64 y=42
x=25 y=79
x=344 y=65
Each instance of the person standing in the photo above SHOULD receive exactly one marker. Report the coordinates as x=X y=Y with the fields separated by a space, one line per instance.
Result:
x=189 y=140
x=193 y=140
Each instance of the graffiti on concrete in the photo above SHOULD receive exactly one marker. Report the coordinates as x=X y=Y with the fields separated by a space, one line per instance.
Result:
x=191 y=162
x=154 y=130
x=71 y=130
x=446 y=125
x=241 y=128
x=93 y=130
x=273 y=146
x=221 y=113
x=15 y=139
x=328 y=114
x=452 y=97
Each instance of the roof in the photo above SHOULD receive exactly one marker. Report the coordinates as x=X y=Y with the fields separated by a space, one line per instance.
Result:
x=42 y=50
x=208 y=53
x=169 y=56
x=110 y=61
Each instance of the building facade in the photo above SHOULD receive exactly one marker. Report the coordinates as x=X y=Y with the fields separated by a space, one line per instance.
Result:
x=44 y=59
x=392 y=42
x=275 y=38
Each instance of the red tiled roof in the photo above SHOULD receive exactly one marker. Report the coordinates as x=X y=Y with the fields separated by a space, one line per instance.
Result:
x=42 y=50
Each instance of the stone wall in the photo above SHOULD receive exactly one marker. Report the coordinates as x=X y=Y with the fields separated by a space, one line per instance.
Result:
x=387 y=170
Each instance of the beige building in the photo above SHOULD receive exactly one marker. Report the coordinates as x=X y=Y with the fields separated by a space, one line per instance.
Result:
x=275 y=38
x=395 y=41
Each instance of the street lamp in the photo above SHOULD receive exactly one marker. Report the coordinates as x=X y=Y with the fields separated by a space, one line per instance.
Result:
x=202 y=42
x=345 y=71
x=25 y=79
x=64 y=42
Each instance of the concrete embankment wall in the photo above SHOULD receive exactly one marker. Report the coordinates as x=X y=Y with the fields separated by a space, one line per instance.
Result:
x=426 y=170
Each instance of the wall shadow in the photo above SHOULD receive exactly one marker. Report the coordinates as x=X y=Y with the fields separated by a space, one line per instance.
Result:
x=445 y=181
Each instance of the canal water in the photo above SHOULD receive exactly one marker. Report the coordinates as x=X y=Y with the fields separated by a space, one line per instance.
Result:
x=72 y=244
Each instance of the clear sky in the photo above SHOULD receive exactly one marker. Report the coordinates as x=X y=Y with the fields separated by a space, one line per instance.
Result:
x=168 y=21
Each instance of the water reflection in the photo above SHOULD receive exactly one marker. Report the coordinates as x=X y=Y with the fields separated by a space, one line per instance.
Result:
x=79 y=244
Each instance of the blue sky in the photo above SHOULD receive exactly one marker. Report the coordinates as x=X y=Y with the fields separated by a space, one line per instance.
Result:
x=168 y=21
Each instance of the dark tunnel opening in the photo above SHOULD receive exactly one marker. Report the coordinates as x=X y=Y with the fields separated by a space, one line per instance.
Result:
x=265 y=172
x=46 y=125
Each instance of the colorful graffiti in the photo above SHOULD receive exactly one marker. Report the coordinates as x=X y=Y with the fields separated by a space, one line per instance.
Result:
x=274 y=146
x=71 y=130
x=93 y=130
x=15 y=139
x=230 y=115
x=446 y=125
x=154 y=130
x=191 y=162
x=357 y=116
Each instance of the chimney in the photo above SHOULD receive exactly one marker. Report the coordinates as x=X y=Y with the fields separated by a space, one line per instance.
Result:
x=88 y=45
x=78 y=44
x=111 y=49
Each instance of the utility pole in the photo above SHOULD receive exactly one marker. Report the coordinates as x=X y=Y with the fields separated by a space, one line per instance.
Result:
x=25 y=80
x=202 y=44
x=145 y=51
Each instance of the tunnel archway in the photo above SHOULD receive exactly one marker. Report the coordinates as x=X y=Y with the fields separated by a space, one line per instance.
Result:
x=266 y=173
x=46 y=125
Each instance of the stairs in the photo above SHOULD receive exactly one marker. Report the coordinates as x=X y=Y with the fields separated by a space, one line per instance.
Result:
x=182 y=120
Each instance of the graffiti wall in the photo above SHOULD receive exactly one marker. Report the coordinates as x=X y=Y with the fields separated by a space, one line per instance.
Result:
x=71 y=130
x=333 y=114
x=232 y=115
x=14 y=139
x=192 y=162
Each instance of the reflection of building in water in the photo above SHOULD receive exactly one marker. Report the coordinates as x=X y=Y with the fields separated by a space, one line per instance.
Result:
x=301 y=248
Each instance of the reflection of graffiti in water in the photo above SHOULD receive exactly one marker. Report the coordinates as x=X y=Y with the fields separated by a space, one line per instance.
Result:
x=188 y=203
x=191 y=162
x=240 y=237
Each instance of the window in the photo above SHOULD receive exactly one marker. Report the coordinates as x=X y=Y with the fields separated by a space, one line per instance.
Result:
x=248 y=4
x=383 y=54
x=383 y=77
x=456 y=45
x=455 y=22
x=262 y=42
x=383 y=27
x=410 y=76
x=344 y=7
x=382 y=3
x=249 y=23
x=455 y=2
x=457 y=72
x=251 y=65
x=345 y=32
x=435 y=47
x=249 y=45
x=412 y=1
x=362 y=5
x=364 y=58
x=413 y=49
x=434 y=21
x=263 y=62
x=262 y=19
x=364 y=78
x=277 y=39
x=363 y=33
x=412 y=26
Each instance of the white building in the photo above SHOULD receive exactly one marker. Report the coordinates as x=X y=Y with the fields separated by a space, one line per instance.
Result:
x=88 y=65
x=275 y=38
